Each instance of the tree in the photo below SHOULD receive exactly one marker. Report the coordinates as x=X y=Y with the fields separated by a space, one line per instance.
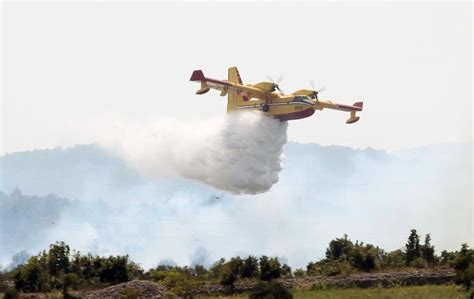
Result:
x=447 y=258
x=58 y=258
x=134 y=271
x=339 y=248
x=114 y=269
x=228 y=279
x=52 y=270
x=231 y=271
x=412 y=247
x=217 y=269
x=269 y=268
x=464 y=266
x=199 y=270
x=235 y=265
x=463 y=258
x=33 y=276
x=286 y=271
x=427 y=250
x=249 y=267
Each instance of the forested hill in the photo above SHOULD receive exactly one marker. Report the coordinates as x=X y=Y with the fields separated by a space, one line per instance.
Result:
x=83 y=170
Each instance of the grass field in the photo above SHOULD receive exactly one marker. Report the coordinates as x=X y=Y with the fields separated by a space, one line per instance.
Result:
x=415 y=292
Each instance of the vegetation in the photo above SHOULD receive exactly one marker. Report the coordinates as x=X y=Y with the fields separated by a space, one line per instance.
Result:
x=62 y=269
x=11 y=293
x=345 y=257
x=58 y=269
x=266 y=290
x=413 y=292
x=464 y=266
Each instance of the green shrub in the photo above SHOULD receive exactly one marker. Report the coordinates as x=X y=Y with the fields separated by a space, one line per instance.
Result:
x=270 y=290
x=465 y=277
x=447 y=258
x=179 y=284
x=228 y=280
x=419 y=263
x=70 y=280
x=218 y=268
x=299 y=273
x=365 y=258
x=11 y=293
x=394 y=259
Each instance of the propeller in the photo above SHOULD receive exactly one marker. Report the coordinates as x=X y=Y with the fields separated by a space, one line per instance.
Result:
x=277 y=83
x=316 y=91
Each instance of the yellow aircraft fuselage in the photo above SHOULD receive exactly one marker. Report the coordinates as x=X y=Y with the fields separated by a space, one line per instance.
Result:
x=263 y=97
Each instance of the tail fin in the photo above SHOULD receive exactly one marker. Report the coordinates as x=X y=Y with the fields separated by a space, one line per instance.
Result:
x=233 y=99
x=359 y=104
x=234 y=75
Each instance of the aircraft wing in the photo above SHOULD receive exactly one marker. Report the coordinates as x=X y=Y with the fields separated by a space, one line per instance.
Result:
x=224 y=86
x=358 y=106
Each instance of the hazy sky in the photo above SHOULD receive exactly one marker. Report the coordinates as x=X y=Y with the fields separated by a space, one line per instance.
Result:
x=71 y=70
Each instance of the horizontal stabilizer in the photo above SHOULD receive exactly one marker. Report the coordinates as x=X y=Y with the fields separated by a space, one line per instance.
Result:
x=353 y=118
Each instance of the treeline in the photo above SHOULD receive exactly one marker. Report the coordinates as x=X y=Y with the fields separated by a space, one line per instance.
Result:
x=59 y=268
x=343 y=256
x=182 y=281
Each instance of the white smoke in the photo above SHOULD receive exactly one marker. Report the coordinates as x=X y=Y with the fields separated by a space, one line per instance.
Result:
x=323 y=193
x=240 y=153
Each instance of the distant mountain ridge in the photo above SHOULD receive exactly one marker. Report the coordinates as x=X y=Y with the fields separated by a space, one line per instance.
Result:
x=64 y=171
x=69 y=171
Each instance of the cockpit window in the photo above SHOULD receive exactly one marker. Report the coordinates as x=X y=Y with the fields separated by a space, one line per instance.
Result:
x=303 y=99
x=299 y=98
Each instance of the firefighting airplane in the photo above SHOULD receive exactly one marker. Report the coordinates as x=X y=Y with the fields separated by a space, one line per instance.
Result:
x=264 y=96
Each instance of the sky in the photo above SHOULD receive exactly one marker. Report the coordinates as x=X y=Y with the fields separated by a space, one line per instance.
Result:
x=71 y=71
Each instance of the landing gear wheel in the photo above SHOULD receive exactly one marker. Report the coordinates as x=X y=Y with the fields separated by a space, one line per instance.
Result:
x=265 y=108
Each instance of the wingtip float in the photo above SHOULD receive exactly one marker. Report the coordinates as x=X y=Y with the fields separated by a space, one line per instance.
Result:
x=267 y=97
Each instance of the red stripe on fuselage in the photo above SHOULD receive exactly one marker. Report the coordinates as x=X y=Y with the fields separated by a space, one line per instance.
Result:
x=225 y=83
x=349 y=108
x=295 y=115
